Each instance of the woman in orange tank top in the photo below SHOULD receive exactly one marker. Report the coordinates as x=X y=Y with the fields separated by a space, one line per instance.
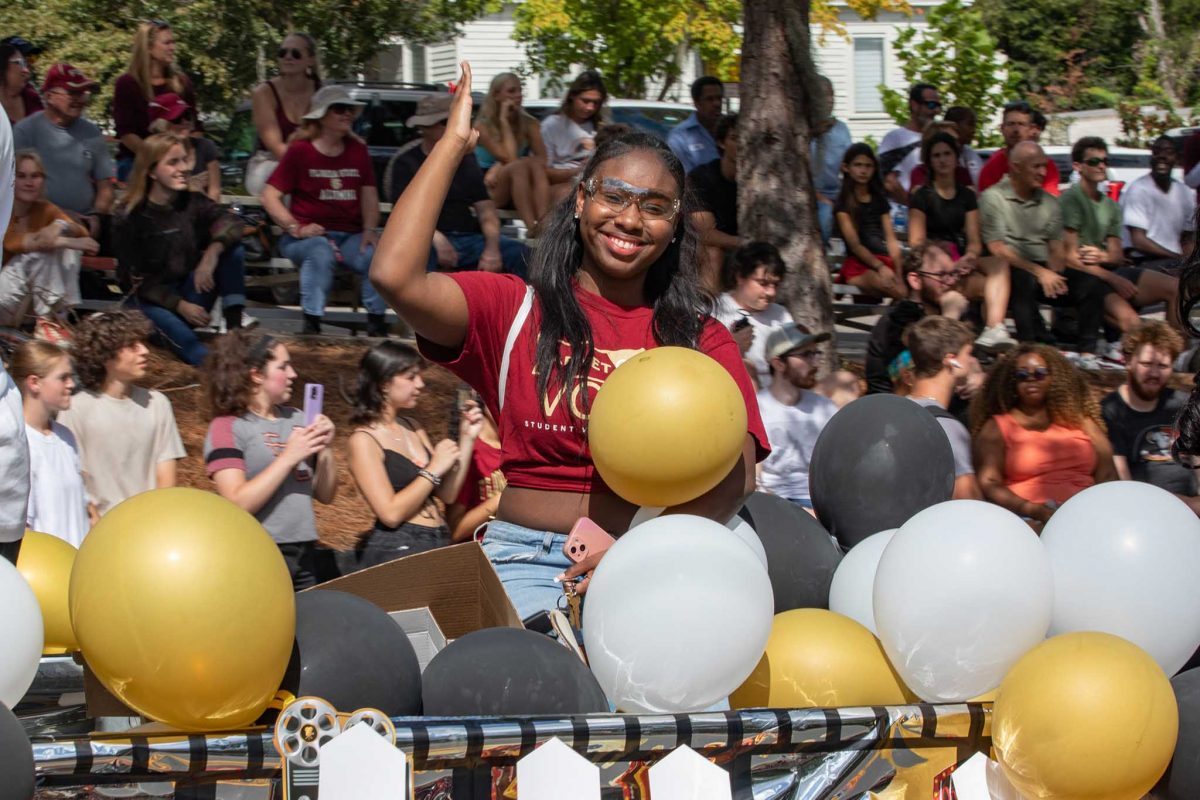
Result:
x=1038 y=435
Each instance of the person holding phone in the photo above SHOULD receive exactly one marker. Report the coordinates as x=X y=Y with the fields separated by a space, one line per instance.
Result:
x=617 y=272
x=260 y=453
x=398 y=470
x=748 y=306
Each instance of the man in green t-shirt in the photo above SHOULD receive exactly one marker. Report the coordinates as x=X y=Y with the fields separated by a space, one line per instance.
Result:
x=1092 y=243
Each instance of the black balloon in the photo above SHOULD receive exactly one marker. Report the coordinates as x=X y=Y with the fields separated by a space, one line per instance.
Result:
x=16 y=758
x=1182 y=781
x=801 y=557
x=350 y=652
x=880 y=460
x=509 y=671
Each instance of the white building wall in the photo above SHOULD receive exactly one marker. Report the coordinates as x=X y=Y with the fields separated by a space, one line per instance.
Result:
x=488 y=44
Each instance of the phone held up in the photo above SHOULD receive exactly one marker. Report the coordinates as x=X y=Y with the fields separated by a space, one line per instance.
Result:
x=314 y=401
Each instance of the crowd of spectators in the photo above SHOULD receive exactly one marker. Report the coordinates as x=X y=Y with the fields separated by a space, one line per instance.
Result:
x=981 y=243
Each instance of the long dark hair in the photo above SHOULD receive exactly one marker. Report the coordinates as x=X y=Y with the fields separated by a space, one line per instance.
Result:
x=672 y=283
x=1187 y=444
x=845 y=199
x=586 y=81
x=378 y=366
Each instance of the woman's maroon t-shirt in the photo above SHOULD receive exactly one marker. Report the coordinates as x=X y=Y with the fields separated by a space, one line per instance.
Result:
x=131 y=109
x=544 y=443
x=325 y=189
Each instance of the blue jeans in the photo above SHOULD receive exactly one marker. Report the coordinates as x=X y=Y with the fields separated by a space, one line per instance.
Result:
x=229 y=284
x=317 y=259
x=124 y=167
x=825 y=220
x=469 y=246
x=527 y=562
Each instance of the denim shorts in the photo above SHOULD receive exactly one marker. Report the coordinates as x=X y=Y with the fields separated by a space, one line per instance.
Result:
x=527 y=562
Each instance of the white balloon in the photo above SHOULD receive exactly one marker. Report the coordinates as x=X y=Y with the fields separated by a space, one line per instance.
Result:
x=677 y=615
x=852 y=591
x=963 y=590
x=1124 y=556
x=746 y=533
x=21 y=635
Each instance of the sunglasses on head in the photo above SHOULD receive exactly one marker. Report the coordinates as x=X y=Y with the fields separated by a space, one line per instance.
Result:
x=294 y=52
x=1035 y=374
x=1096 y=162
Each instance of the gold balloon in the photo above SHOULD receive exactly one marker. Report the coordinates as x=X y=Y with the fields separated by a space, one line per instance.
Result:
x=666 y=426
x=45 y=562
x=183 y=607
x=818 y=659
x=1085 y=715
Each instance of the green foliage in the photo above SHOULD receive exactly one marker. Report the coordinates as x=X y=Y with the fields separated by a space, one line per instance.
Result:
x=634 y=43
x=631 y=42
x=1038 y=35
x=225 y=45
x=956 y=54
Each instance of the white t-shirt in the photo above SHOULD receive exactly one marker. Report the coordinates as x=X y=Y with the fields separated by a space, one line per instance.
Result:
x=1163 y=215
x=898 y=139
x=57 y=499
x=568 y=144
x=122 y=441
x=763 y=322
x=14 y=451
x=792 y=432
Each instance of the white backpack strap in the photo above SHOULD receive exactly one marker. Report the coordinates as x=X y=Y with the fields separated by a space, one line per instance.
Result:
x=513 y=332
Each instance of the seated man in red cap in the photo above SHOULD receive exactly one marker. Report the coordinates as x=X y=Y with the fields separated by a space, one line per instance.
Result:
x=79 y=168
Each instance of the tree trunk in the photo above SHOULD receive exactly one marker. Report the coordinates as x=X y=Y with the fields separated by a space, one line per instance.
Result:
x=776 y=201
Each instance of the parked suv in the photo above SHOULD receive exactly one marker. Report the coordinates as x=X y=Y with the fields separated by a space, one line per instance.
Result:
x=646 y=115
x=382 y=124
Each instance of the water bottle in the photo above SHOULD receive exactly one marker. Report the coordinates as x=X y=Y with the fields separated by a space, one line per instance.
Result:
x=900 y=220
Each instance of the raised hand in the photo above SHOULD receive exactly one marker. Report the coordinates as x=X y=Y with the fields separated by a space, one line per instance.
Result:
x=458 y=127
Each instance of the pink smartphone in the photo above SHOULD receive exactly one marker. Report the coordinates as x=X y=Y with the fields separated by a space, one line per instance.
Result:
x=586 y=539
x=314 y=400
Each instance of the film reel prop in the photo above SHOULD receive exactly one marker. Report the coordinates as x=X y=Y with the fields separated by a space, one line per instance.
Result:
x=308 y=724
x=303 y=728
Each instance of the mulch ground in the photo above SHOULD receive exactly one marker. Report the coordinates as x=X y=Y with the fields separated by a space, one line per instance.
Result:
x=334 y=363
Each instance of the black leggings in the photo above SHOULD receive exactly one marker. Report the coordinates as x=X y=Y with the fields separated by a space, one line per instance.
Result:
x=10 y=550
x=1085 y=293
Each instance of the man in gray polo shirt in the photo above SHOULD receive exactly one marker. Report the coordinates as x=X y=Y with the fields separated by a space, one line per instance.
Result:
x=1022 y=224
x=79 y=169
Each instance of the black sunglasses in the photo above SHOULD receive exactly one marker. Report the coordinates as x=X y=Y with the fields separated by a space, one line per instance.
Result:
x=1035 y=374
x=1096 y=162
x=932 y=105
x=294 y=52
x=341 y=108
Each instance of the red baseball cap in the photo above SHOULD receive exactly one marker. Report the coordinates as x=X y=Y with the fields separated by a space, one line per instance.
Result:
x=65 y=76
x=169 y=106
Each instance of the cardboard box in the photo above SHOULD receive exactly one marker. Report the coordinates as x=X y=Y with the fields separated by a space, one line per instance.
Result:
x=423 y=633
x=457 y=584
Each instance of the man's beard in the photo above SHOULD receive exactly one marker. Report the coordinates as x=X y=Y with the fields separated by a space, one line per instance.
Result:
x=1142 y=392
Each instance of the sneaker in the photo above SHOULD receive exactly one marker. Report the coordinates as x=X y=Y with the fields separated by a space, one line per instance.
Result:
x=995 y=339
x=1085 y=361
x=52 y=331
x=1111 y=351
x=223 y=327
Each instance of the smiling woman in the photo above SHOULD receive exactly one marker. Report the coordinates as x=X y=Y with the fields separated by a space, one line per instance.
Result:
x=615 y=273
x=177 y=250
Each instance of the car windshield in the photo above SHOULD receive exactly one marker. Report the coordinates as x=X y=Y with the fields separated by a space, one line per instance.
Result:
x=382 y=122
